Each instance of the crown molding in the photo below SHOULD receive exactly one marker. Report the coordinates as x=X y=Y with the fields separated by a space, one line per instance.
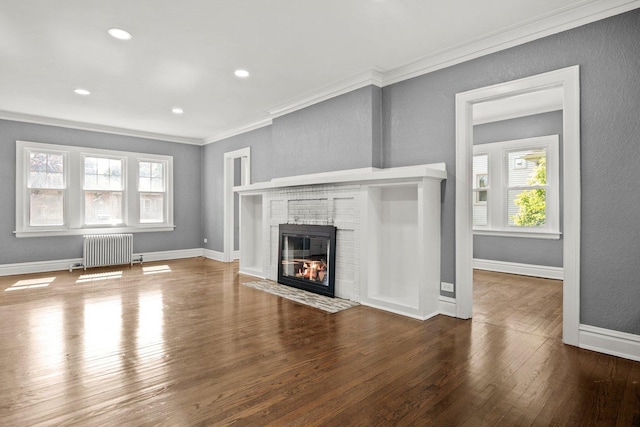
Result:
x=238 y=130
x=568 y=18
x=368 y=78
x=92 y=127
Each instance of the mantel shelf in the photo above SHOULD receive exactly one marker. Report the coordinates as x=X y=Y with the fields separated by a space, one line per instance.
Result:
x=353 y=176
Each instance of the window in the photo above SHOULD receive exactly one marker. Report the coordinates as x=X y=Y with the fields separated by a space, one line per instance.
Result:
x=103 y=191
x=46 y=184
x=516 y=188
x=62 y=190
x=151 y=186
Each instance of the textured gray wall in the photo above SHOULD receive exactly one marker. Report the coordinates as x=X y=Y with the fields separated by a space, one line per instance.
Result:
x=186 y=181
x=513 y=249
x=333 y=135
x=419 y=127
x=213 y=178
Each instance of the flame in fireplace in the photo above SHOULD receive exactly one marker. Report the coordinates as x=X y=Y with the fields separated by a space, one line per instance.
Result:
x=313 y=270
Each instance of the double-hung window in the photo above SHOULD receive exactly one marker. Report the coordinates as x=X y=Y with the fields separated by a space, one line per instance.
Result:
x=151 y=191
x=46 y=187
x=516 y=188
x=64 y=190
x=103 y=191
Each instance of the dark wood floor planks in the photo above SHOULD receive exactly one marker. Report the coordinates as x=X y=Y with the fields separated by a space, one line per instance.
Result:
x=189 y=345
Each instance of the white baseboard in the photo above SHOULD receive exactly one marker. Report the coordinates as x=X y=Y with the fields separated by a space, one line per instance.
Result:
x=63 y=264
x=214 y=255
x=37 y=267
x=398 y=311
x=611 y=342
x=447 y=306
x=253 y=273
x=167 y=255
x=544 y=271
x=235 y=255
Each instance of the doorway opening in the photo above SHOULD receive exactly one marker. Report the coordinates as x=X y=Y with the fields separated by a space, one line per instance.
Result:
x=566 y=81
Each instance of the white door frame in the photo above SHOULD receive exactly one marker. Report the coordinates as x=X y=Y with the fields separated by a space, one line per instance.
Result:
x=569 y=80
x=245 y=155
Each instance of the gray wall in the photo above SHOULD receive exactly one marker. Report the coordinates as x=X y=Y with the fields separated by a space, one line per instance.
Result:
x=419 y=127
x=514 y=249
x=186 y=163
x=341 y=133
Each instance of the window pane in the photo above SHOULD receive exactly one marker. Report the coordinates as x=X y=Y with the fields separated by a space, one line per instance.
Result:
x=37 y=179
x=37 y=162
x=46 y=207
x=55 y=163
x=527 y=167
x=102 y=207
x=527 y=208
x=103 y=174
x=151 y=207
x=481 y=171
x=145 y=169
x=157 y=184
x=151 y=176
x=46 y=170
x=480 y=180
x=480 y=209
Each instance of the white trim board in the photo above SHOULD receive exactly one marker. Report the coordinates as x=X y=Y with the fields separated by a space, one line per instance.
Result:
x=94 y=127
x=399 y=312
x=63 y=264
x=543 y=271
x=214 y=255
x=611 y=342
x=447 y=306
x=167 y=255
x=569 y=79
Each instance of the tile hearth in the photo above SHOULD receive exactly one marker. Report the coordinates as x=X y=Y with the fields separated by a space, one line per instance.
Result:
x=328 y=304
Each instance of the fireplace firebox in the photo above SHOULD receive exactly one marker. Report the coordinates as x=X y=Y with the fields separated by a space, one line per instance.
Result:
x=306 y=257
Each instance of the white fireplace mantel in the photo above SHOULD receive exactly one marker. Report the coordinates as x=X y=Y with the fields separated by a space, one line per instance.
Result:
x=388 y=231
x=352 y=176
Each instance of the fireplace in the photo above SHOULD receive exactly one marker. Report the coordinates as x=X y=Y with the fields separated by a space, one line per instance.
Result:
x=306 y=257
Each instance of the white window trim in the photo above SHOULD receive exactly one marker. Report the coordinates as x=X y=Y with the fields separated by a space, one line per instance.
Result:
x=74 y=192
x=497 y=220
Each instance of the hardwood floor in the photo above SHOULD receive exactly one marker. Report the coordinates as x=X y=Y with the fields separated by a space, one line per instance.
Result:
x=187 y=344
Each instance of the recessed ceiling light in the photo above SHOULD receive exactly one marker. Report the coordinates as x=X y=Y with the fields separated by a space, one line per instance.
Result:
x=177 y=110
x=120 y=34
x=82 y=91
x=243 y=74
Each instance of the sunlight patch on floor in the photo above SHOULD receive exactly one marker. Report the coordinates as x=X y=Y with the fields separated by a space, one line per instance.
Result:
x=42 y=282
x=99 y=276
x=156 y=269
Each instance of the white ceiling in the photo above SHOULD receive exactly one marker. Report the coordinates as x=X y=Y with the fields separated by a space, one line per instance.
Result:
x=183 y=53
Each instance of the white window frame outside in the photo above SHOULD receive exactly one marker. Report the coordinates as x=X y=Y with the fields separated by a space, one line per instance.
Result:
x=497 y=221
x=74 y=192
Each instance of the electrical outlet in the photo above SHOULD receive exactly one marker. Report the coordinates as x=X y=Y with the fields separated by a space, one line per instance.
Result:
x=205 y=240
x=446 y=287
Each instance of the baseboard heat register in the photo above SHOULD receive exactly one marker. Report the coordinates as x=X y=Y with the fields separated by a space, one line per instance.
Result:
x=107 y=249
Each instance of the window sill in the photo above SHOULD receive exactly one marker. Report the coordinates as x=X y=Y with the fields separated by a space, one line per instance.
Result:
x=548 y=235
x=96 y=230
